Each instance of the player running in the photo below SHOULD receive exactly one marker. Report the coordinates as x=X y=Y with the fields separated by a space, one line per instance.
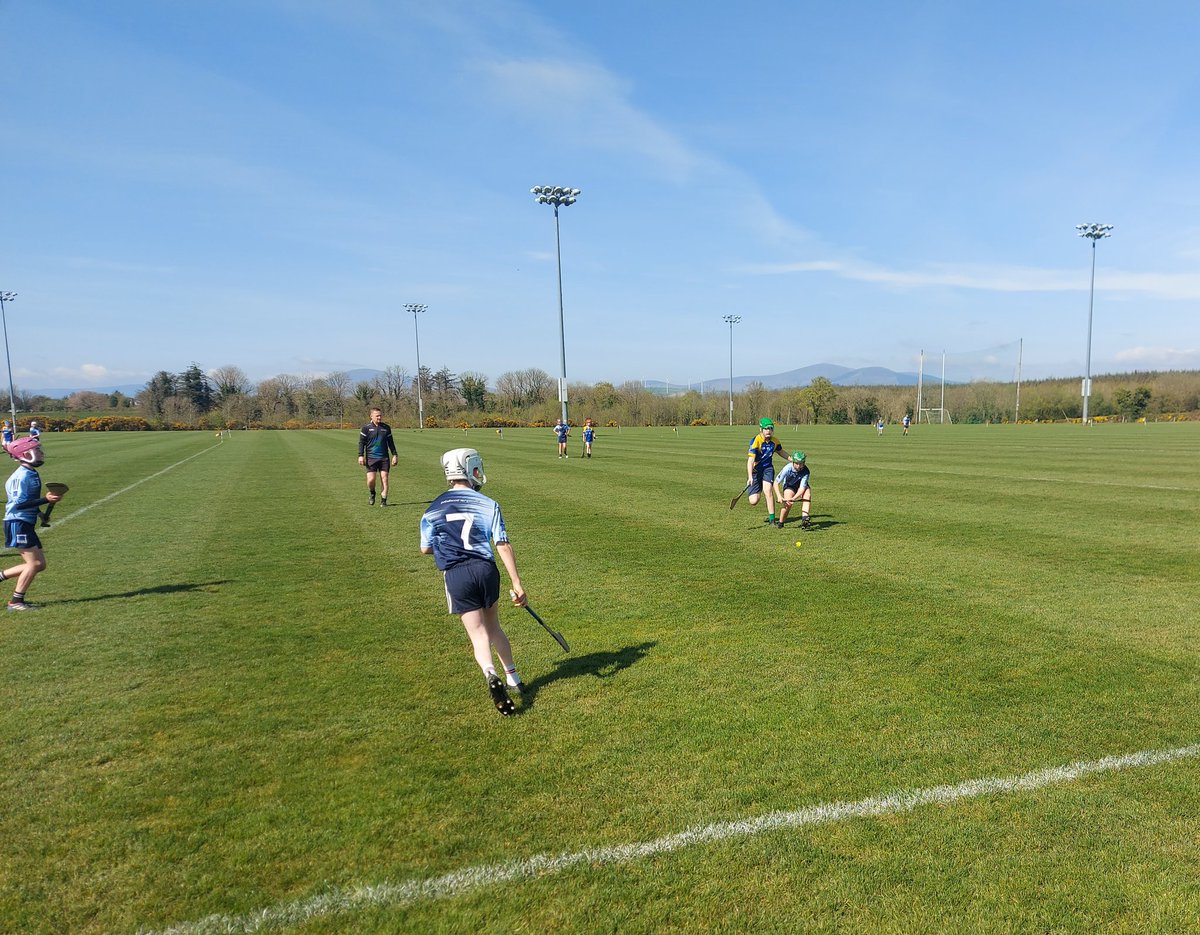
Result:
x=760 y=466
x=24 y=492
x=456 y=530
x=374 y=443
x=792 y=485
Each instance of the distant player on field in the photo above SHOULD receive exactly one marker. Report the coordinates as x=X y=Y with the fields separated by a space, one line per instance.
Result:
x=879 y=425
x=35 y=430
x=792 y=485
x=374 y=443
x=589 y=435
x=907 y=421
x=7 y=433
x=760 y=466
x=456 y=530
x=561 y=431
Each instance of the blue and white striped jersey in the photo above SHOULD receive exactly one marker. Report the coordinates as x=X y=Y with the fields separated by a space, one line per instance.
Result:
x=459 y=524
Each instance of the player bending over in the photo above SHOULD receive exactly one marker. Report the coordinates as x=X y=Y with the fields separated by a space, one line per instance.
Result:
x=792 y=485
x=456 y=530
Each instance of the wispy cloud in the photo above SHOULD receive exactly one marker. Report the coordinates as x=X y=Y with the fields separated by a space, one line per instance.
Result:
x=1160 y=358
x=994 y=278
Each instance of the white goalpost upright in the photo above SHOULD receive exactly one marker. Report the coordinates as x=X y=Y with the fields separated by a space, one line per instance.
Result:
x=999 y=364
x=941 y=408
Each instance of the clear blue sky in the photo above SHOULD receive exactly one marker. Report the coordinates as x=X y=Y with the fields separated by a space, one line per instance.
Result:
x=266 y=183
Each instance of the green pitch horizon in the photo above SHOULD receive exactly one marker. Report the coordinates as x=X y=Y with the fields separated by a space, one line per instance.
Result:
x=243 y=690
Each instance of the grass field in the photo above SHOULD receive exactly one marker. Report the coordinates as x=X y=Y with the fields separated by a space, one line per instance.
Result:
x=244 y=708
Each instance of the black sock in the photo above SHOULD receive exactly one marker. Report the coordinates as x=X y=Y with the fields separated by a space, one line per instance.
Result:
x=18 y=597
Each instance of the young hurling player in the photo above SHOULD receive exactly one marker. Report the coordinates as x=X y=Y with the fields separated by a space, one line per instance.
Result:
x=561 y=431
x=760 y=466
x=589 y=435
x=24 y=491
x=456 y=530
x=792 y=485
x=374 y=443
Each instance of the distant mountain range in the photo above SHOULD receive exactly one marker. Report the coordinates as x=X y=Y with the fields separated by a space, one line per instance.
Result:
x=835 y=373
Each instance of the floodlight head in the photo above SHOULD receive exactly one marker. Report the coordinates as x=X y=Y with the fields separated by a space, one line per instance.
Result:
x=7 y=296
x=1094 y=232
x=536 y=190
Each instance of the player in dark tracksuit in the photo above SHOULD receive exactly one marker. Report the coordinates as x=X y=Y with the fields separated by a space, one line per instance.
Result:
x=374 y=444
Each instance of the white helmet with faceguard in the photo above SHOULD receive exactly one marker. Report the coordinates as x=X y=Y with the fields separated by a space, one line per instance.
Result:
x=464 y=464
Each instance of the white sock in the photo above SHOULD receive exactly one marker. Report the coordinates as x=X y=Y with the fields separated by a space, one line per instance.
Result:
x=510 y=675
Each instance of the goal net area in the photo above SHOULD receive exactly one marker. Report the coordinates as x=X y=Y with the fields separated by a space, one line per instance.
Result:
x=943 y=375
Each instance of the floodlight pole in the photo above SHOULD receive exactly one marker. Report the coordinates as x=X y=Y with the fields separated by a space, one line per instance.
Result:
x=417 y=310
x=731 y=320
x=12 y=396
x=1092 y=232
x=558 y=196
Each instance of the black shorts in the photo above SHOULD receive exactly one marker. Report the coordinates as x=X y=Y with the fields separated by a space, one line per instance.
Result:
x=380 y=464
x=20 y=535
x=472 y=585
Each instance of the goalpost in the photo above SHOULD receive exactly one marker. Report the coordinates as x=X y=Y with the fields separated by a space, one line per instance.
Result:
x=999 y=364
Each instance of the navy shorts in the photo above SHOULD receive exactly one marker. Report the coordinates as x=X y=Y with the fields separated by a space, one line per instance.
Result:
x=377 y=465
x=764 y=475
x=472 y=585
x=20 y=535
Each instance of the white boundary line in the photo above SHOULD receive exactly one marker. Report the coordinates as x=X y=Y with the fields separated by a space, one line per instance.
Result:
x=116 y=493
x=342 y=901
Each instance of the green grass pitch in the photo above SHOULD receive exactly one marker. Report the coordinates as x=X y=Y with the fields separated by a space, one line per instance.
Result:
x=243 y=704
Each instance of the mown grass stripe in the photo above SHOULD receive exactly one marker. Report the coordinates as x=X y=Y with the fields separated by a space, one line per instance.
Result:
x=343 y=901
x=133 y=486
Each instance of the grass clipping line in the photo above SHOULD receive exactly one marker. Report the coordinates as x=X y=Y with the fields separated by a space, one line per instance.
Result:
x=392 y=895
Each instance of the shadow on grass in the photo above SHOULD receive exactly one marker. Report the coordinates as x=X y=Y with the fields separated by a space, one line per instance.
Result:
x=819 y=521
x=140 y=592
x=603 y=665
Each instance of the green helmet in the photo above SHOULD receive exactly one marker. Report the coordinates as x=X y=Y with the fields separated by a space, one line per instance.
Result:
x=766 y=424
x=797 y=456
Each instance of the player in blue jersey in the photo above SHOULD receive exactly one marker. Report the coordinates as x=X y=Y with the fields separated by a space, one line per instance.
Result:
x=561 y=431
x=792 y=485
x=24 y=492
x=589 y=436
x=760 y=466
x=35 y=430
x=456 y=531
x=907 y=420
x=7 y=433
x=374 y=444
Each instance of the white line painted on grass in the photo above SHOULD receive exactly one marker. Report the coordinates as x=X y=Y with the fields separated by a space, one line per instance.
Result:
x=138 y=483
x=343 y=901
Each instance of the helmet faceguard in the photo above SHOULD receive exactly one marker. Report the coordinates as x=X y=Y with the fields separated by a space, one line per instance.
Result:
x=27 y=451
x=464 y=464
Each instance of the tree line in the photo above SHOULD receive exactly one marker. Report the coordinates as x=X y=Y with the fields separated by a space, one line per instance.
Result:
x=226 y=397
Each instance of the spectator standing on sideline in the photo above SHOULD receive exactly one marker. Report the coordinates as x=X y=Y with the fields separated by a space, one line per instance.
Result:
x=375 y=442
